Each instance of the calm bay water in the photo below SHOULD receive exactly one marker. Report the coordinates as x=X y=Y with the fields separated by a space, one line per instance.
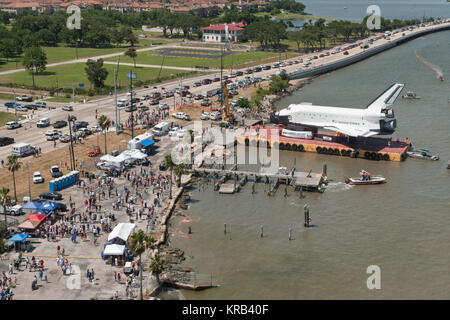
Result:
x=392 y=9
x=401 y=226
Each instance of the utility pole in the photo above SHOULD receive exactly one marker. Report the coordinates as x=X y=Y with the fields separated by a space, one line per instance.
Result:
x=15 y=107
x=27 y=165
x=73 y=93
x=115 y=101
x=221 y=73
x=71 y=156
x=132 y=104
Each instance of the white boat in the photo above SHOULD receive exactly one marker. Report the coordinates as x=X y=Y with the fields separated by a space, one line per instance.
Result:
x=365 y=179
x=421 y=154
x=410 y=95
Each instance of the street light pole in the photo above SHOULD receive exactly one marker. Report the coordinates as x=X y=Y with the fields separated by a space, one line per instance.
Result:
x=131 y=103
x=72 y=158
x=15 y=106
x=27 y=165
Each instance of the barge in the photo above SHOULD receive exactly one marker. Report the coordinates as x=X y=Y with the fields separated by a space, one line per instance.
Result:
x=340 y=145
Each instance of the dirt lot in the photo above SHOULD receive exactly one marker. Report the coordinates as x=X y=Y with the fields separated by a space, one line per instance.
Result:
x=57 y=157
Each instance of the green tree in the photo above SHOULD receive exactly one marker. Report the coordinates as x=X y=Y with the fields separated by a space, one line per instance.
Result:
x=131 y=52
x=243 y=103
x=104 y=122
x=34 y=60
x=138 y=243
x=170 y=164
x=96 y=73
x=179 y=170
x=157 y=266
x=278 y=84
x=13 y=166
x=5 y=200
x=7 y=50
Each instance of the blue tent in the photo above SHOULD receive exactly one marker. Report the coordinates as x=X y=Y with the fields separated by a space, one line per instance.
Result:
x=49 y=206
x=32 y=205
x=19 y=237
x=44 y=212
x=147 y=143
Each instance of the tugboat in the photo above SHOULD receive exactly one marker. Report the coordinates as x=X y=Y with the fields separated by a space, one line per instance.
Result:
x=410 y=95
x=364 y=179
x=422 y=154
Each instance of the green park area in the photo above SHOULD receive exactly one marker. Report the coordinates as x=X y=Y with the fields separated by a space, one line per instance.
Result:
x=235 y=60
x=8 y=116
x=74 y=74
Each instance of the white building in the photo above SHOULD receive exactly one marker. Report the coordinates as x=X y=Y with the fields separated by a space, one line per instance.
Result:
x=231 y=32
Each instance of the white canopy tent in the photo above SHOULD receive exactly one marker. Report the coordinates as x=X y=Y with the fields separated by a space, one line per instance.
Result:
x=114 y=250
x=108 y=158
x=122 y=231
x=135 y=154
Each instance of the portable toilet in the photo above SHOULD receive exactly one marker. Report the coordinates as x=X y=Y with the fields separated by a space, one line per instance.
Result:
x=52 y=185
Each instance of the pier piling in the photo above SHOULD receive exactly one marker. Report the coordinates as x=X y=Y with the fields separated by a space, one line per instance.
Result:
x=290 y=234
x=307 y=218
x=224 y=228
x=189 y=230
x=262 y=231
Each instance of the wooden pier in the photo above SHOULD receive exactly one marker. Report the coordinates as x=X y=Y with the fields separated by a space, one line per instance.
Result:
x=308 y=181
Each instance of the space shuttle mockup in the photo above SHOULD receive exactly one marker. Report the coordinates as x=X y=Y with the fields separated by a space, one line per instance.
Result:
x=376 y=118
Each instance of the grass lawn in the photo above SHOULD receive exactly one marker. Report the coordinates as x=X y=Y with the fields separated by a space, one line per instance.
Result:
x=73 y=74
x=8 y=116
x=57 y=54
x=237 y=60
x=293 y=16
x=6 y=96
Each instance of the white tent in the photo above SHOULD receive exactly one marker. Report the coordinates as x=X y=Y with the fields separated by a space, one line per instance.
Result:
x=122 y=157
x=108 y=158
x=135 y=154
x=122 y=231
x=114 y=250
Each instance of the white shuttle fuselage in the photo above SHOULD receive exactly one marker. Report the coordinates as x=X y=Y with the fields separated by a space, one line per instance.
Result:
x=377 y=118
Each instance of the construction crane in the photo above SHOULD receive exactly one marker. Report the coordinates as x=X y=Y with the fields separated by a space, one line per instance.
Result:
x=227 y=116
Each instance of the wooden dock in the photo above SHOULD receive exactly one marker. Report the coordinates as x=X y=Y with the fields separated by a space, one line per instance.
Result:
x=307 y=180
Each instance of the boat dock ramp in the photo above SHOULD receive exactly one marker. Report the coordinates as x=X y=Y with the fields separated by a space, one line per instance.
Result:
x=306 y=181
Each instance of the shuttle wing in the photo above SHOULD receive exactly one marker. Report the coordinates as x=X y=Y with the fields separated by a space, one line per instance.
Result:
x=387 y=98
x=352 y=131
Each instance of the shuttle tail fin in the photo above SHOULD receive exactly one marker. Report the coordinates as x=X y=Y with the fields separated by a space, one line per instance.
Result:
x=386 y=98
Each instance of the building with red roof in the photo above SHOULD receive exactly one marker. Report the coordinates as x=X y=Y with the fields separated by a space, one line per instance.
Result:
x=228 y=32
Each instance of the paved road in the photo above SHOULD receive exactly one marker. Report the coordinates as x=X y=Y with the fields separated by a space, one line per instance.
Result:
x=157 y=66
x=105 y=105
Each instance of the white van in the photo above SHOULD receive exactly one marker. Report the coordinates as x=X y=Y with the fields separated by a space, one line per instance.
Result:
x=44 y=122
x=22 y=149
x=12 y=125
x=161 y=129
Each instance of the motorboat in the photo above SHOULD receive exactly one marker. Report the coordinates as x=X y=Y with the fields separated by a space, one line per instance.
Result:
x=410 y=95
x=365 y=179
x=421 y=154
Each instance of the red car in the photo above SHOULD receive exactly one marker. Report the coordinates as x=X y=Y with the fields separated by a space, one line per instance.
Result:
x=95 y=152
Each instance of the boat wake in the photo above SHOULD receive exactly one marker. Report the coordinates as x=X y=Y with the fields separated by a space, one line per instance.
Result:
x=437 y=70
x=338 y=187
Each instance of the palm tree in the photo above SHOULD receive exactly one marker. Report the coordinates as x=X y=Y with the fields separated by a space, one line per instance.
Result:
x=5 y=200
x=170 y=164
x=13 y=165
x=104 y=122
x=157 y=266
x=139 y=242
x=179 y=170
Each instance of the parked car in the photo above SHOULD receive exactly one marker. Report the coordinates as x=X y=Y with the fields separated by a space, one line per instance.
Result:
x=168 y=94
x=145 y=97
x=31 y=106
x=52 y=135
x=239 y=73
x=59 y=124
x=346 y=53
x=43 y=122
x=196 y=84
x=41 y=104
x=130 y=108
x=143 y=108
x=55 y=172
x=204 y=116
x=12 y=125
x=267 y=67
x=37 y=177
x=22 y=109
x=96 y=128
x=174 y=131
x=206 y=102
x=181 y=133
x=198 y=97
x=65 y=138
x=79 y=124
x=25 y=98
x=206 y=81
x=67 y=108
x=4 y=141
x=52 y=195
x=163 y=106
x=181 y=115
x=153 y=102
